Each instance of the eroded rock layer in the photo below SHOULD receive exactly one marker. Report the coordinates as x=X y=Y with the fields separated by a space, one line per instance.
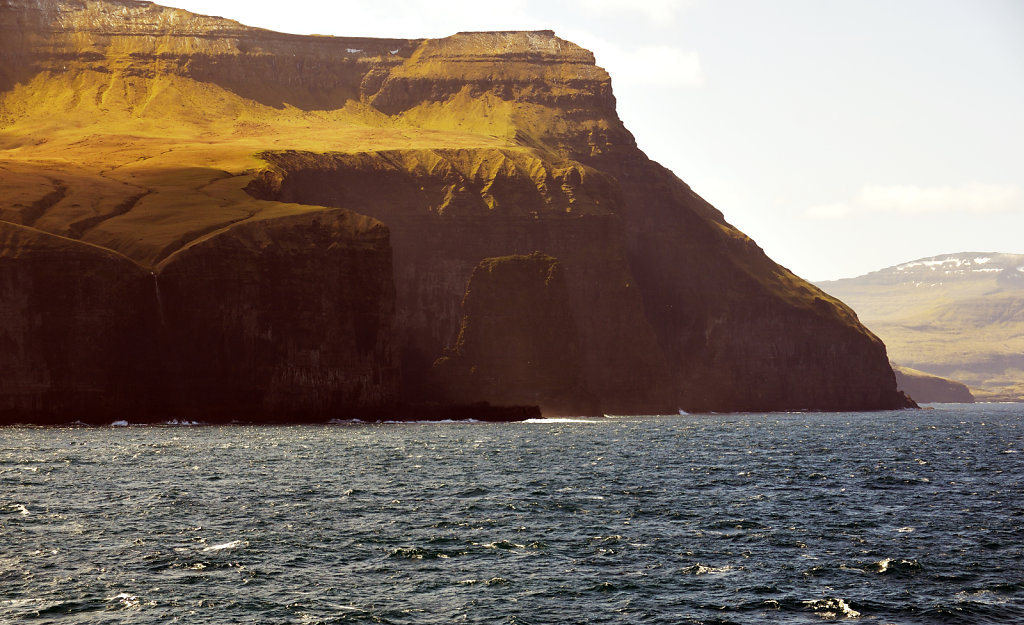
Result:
x=227 y=162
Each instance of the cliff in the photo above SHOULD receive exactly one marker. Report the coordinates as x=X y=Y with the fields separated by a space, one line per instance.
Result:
x=73 y=329
x=226 y=329
x=245 y=334
x=518 y=333
x=449 y=209
x=928 y=389
x=312 y=209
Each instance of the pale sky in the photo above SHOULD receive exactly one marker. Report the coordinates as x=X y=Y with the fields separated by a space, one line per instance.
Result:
x=842 y=135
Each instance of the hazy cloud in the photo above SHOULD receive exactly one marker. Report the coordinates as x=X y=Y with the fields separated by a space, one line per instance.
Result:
x=379 y=18
x=973 y=198
x=916 y=200
x=646 y=65
x=836 y=210
x=654 y=10
x=654 y=65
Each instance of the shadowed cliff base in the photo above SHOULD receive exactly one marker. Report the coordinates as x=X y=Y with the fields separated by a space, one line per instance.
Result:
x=286 y=226
x=518 y=342
x=398 y=413
x=717 y=328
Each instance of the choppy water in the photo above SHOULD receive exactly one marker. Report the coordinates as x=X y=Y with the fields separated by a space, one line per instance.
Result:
x=908 y=517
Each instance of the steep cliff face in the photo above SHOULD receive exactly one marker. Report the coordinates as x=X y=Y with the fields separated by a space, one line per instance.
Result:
x=226 y=329
x=742 y=332
x=173 y=139
x=448 y=210
x=518 y=342
x=245 y=335
x=245 y=309
x=73 y=330
x=731 y=329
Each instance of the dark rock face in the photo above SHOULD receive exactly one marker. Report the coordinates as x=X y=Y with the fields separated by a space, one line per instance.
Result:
x=248 y=335
x=704 y=319
x=499 y=146
x=741 y=332
x=931 y=389
x=677 y=309
x=449 y=210
x=228 y=328
x=73 y=330
x=518 y=343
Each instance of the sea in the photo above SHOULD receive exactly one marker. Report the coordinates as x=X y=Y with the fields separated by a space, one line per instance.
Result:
x=884 y=517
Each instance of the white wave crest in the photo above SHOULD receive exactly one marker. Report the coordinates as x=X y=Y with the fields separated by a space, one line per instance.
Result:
x=223 y=546
x=126 y=600
x=831 y=608
x=700 y=569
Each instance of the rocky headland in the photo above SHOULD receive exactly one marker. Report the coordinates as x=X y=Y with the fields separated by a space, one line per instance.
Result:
x=926 y=388
x=204 y=220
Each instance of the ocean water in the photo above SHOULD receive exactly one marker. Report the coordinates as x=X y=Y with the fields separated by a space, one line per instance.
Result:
x=891 y=517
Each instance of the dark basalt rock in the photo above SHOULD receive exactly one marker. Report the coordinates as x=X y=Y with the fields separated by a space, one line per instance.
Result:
x=199 y=301
x=287 y=318
x=226 y=329
x=76 y=323
x=518 y=343
x=449 y=210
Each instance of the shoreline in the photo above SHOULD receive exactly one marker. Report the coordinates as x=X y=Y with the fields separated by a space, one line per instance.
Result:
x=412 y=413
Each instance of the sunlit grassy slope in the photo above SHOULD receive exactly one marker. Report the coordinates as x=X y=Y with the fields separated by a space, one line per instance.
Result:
x=144 y=165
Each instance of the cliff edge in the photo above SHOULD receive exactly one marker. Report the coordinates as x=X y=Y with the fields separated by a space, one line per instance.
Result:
x=313 y=208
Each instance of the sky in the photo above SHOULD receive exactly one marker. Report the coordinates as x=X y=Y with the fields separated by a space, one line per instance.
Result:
x=843 y=136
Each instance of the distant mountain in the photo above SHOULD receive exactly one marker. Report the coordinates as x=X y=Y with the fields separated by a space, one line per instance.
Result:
x=959 y=316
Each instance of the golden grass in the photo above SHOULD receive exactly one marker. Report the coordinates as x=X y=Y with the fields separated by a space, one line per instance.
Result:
x=150 y=164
